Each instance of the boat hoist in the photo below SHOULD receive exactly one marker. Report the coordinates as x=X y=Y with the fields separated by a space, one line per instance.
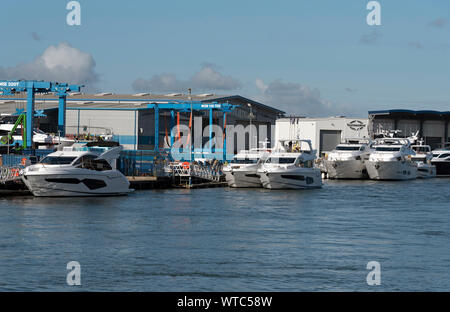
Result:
x=43 y=87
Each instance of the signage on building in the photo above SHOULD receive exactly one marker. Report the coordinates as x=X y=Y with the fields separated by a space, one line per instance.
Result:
x=356 y=125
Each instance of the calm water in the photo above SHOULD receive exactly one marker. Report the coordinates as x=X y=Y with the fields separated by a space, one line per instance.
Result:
x=232 y=239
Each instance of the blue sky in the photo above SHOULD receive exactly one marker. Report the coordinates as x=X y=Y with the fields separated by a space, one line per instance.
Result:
x=308 y=56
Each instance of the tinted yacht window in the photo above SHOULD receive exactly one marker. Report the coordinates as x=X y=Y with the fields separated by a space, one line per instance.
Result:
x=92 y=163
x=55 y=160
x=244 y=161
x=281 y=160
x=347 y=148
x=84 y=160
x=101 y=165
x=387 y=149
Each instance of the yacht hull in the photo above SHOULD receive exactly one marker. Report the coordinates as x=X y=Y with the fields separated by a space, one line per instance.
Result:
x=426 y=171
x=304 y=178
x=391 y=170
x=442 y=168
x=346 y=169
x=57 y=185
x=243 y=179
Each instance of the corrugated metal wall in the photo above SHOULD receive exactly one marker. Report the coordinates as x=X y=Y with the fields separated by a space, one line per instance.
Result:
x=122 y=123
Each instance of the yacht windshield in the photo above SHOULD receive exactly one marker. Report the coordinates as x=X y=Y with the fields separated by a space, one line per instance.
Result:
x=281 y=160
x=387 y=149
x=421 y=149
x=57 y=160
x=244 y=161
x=347 y=148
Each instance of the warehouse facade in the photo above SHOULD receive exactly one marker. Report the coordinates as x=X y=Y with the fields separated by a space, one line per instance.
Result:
x=324 y=133
x=129 y=120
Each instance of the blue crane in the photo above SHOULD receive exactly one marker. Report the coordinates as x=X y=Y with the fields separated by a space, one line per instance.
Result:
x=31 y=88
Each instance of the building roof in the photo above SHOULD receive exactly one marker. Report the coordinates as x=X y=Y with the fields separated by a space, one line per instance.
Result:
x=406 y=113
x=9 y=103
x=302 y=118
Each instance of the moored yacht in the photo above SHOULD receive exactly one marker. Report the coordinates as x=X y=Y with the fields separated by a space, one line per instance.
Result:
x=391 y=160
x=242 y=170
x=423 y=159
x=291 y=166
x=347 y=160
x=441 y=159
x=77 y=173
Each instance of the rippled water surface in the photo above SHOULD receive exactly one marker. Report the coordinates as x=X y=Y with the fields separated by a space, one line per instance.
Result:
x=224 y=239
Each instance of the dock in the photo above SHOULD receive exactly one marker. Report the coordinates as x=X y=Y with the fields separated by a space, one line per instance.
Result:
x=149 y=182
x=203 y=185
x=152 y=182
x=14 y=188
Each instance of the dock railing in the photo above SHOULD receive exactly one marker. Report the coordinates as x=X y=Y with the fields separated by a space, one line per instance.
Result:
x=8 y=174
x=196 y=170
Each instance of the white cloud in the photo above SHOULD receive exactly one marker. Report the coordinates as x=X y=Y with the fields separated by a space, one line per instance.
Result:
x=208 y=78
x=261 y=85
x=61 y=63
x=297 y=99
x=159 y=83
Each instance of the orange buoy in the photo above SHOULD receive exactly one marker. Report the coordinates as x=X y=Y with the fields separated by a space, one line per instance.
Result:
x=185 y=165
x=24 y=161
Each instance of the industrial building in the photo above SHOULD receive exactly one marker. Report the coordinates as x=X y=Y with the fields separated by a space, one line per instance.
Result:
x=130 y=118
x=433 y=126
x=324 y=133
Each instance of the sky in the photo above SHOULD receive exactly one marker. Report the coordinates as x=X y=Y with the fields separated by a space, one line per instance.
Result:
x=314 y=58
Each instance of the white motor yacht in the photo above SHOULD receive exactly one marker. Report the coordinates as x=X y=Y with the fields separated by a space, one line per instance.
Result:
x=39 y=137
x=347 y=160
x=77 y=173
x=291 y=166
x=423 y=158
x=441 y=159
x=242 y=170
x=391 y=160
